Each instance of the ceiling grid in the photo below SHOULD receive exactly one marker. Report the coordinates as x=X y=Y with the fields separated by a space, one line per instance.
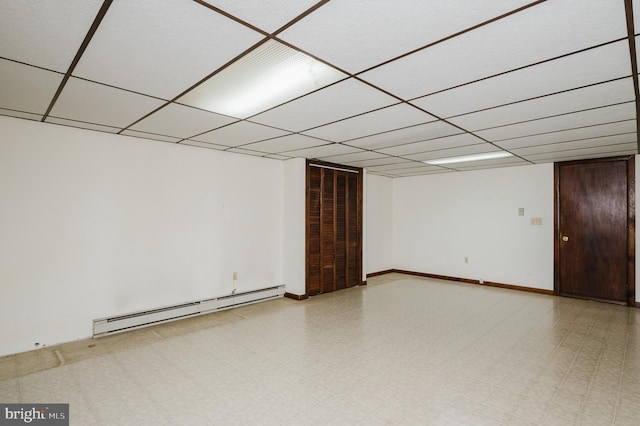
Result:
x=392 y=84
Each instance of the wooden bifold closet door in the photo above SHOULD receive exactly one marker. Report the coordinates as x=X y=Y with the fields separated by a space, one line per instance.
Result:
x=334 y=227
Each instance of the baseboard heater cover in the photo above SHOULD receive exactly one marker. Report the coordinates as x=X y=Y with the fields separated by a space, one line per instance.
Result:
x=120 y=323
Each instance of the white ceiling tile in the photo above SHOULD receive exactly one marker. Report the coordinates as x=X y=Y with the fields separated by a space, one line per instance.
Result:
x=46 y=33
x=20 y=114
x=95 y=103
x=284 y=144
x=354 y=156
x=406 y=164
x=181 y=121
x=27 y=89
x=417 y=133
x=268 y=15
x=585 y=143
x=419 y=172
x=434 y=144
x=574 y=157
x=575 y=100
x=161 y=50
x=151 y=136
x=376 y=162
x=478 y=165
x=538 y=33
x=356 y=35
x=480 y=148
x=343 y=99
x=204 y=145
x=82 y=125
x=246 y=152
x=382 y=120
x=629 y=148
x=240 y=133
x=278 y=156
x=593 y=66
x=624 y=127
x=563 y=122
x=332 y=149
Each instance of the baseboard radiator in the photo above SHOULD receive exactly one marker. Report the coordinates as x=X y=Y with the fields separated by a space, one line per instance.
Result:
x=120 y=323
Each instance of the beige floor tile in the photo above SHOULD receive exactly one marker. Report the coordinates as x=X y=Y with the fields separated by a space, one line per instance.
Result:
x=402 y=350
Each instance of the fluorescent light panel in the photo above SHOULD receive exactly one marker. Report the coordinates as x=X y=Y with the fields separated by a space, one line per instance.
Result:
x=268 y=76
x=466 y=158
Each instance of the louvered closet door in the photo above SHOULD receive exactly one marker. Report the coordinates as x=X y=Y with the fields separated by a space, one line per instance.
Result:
x=334 y=229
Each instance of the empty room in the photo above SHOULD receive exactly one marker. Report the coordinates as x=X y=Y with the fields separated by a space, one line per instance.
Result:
x=309 y=212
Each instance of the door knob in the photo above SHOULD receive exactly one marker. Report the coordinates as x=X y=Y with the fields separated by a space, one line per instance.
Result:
x=565 y=238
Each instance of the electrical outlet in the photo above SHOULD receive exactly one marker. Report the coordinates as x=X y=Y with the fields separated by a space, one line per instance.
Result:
x=235 y=276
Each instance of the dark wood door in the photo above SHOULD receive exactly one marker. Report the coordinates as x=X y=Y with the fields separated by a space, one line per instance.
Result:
x=334 y=228
x=593 y=229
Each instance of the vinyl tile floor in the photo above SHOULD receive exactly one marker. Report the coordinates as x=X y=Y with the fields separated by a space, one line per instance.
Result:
x=402 y=350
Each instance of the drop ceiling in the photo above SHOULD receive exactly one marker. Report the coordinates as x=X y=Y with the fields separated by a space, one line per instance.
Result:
x=408 y=81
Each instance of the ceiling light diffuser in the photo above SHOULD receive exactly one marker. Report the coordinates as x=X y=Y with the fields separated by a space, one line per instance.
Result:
x=465 y=158
x=268 y=76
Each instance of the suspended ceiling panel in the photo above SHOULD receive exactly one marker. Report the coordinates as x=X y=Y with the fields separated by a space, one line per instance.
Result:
x=579 y=134
x=596 y=96
x=26 y=88
x=332 y=149
x=82 y=125
x=96 y=103
x=583 y=152
x=407 y=135
x=574 y=71
x=433 y=144
x=358 y=34
x=545 y=31
x=284 y=143
x=605 y=141
x=380 y=85
x=359 y=155
x=382 y=120
x=261 y=13
x=477 y=165
x=240 y=133
x=344 y=99
x=44 y=34
x=161 y=49
x=152 y=136
x=573 y=120
x=479 y=148
x=181 y=121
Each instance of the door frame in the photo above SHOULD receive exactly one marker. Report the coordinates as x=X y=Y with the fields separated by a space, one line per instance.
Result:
x=631 y=223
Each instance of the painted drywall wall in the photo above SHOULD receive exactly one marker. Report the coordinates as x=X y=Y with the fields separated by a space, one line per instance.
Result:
x=378 y=232
x=95 y=224
x=295 y=171
x=439 y=220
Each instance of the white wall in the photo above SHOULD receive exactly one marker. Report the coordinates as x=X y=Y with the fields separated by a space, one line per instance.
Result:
x=378 y=232
x=438 y=220
x=295 y=171
x=94 y=224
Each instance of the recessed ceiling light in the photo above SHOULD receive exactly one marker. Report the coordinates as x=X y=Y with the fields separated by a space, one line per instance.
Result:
x=465 y=158
x=268 y=76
